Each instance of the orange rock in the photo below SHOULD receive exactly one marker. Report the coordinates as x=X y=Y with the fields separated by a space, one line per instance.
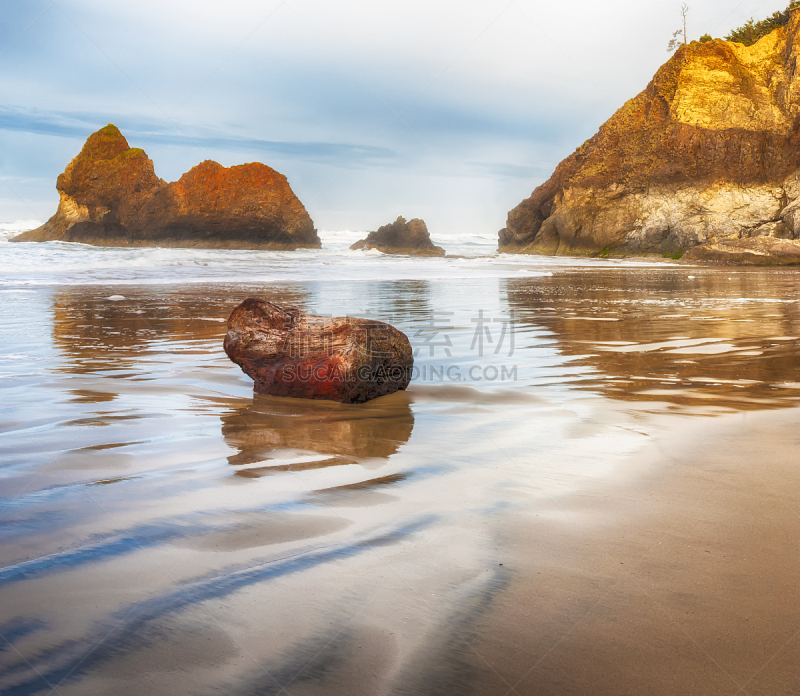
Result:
x=111 y=196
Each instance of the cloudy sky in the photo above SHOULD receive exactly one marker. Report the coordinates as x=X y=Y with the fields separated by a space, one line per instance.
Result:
x=448 y=110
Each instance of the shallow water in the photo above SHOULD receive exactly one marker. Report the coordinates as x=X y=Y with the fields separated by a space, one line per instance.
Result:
x=165 y=531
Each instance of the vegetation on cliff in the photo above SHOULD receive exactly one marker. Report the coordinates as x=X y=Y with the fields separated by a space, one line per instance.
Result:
x=751 y=31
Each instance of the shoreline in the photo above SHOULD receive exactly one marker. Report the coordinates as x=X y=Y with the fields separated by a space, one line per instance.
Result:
x=744 y=260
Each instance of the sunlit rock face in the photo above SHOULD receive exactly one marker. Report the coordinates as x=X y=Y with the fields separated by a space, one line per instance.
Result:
x=709 y=151
x=111 y=196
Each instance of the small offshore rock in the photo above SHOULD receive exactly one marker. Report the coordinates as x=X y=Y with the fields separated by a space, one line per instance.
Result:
x=401 y=237
x=290 y=353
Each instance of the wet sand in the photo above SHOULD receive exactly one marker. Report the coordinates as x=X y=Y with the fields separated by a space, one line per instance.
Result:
x=619 y=517
x=681 y=577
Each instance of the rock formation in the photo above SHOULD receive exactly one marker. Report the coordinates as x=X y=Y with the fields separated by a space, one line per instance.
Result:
x=111 y=196
x=753 y=251
x=401 y=237
x=290 y=353
x=708 y=152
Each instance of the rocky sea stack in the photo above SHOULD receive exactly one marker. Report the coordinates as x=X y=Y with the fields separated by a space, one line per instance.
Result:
x=111 y=196
x=401 y=237
x=708 y=153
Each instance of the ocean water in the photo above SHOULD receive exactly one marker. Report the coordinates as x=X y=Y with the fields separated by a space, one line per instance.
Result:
x=58 y=263
x=166 y=531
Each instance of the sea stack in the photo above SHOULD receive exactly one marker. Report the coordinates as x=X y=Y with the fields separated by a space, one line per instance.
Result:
x=708 y=153
x=290 y=353
x=111 y=196
x=401 y=237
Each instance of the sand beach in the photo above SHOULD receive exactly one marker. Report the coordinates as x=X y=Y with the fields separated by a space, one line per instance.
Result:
x=604 y=501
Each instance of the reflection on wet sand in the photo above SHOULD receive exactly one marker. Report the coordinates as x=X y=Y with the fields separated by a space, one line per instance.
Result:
x=718 y=339
x=361 y=494
x=166 y=532
x=95 y=333
x=268 y=426
x=408 y=299
x=216 y=545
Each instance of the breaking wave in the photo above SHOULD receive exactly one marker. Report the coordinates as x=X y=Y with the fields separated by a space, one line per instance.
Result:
x=64 y=263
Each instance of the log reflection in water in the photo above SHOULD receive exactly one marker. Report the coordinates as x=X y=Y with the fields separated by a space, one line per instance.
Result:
x=328 y=433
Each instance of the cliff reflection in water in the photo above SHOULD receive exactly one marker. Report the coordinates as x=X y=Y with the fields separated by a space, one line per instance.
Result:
x=330 y=433
x=96 y=334
x=689 y=337
x=409 y=299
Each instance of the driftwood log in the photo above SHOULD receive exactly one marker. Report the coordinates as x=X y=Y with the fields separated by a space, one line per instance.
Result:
x=290 y=353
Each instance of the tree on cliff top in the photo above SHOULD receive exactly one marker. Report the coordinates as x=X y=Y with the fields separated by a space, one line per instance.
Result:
x=751 y=31
x=674 y=41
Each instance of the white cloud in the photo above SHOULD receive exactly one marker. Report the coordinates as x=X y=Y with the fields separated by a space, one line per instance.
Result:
x=471 y=96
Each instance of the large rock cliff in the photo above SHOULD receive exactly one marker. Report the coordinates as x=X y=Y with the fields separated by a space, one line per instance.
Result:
x=111 y=196
x=709 y=151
